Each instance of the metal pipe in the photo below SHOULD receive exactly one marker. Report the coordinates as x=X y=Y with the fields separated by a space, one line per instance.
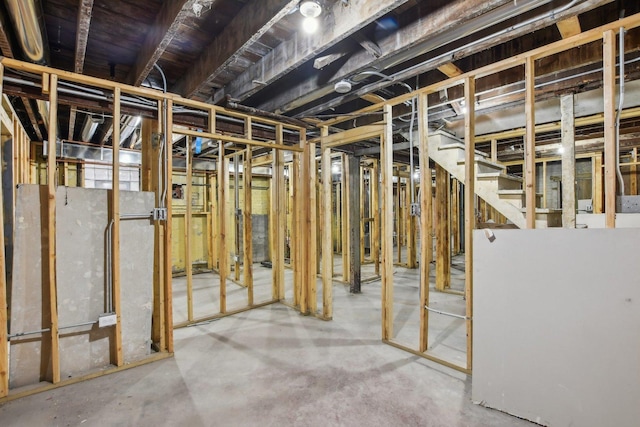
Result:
x=22 y=334
x=25 y=20
x=136 y=216
x=457 y=316
x=108 y=296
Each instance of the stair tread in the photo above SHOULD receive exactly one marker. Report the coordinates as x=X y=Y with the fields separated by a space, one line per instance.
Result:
x=485 y=162
x=499 y=175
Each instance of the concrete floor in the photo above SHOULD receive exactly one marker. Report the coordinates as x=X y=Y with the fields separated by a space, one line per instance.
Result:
x=272 y=367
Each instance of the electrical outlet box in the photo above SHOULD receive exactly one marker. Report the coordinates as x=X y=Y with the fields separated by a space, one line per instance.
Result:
x=107 y=319
x=160 y=214
x=415 y=209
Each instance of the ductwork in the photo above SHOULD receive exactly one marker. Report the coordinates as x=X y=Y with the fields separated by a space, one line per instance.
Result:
x=24 y=16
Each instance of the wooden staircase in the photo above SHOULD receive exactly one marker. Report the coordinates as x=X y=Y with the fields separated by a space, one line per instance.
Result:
x=502 y=191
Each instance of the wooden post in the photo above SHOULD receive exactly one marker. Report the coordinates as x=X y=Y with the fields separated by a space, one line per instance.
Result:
x=411 y=224
x=610 y=155
x=530 y=144
x=236 y=216
x=375 y=214
x=455 y=216
x=494 y=150
x=149 y=176
x=309 y=181
x=346 y=197
x=386 y=165
x=353 y=183
x=633 y=173
x=246 y=223
x=277 y=211
x=212 y=259
x=426 y=245
x=223 y=262
x=327 y=244
x=294 y=247
x=362 y=190
x=51 y=225
x=443 y=237
x=398 y=215
x=115 y=229
x=469 y=218
x=568 y=163
x=598 y=206
x=4 y=340
x=187 y=229
x=168 y=292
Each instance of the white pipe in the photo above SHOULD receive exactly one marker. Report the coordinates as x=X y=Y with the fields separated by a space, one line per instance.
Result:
x=620 y=104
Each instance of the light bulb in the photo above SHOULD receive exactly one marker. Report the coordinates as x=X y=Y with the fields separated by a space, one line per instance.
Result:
x=310 y=25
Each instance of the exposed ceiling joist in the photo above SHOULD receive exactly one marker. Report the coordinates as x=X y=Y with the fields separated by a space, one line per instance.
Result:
x=346 y=20
x=313 y=91
x=569 y=27
x=372 y=98
x=420 y=31
x=368 y=45
x=255 y=18
x=450 y=69
x=82 y=33
x=164 y=29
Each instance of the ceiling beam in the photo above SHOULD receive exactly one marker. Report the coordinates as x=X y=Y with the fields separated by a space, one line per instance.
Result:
x=309 y=91
x=450 y=69
x=569 y=27
x=446 y=20
x=85 y=8
x=165 y=27
x=338 y=23
x=253 y=20
x=368 y=45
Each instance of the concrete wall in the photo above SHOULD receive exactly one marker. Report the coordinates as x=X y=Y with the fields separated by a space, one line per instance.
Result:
x=556 y=317
x=80 y=270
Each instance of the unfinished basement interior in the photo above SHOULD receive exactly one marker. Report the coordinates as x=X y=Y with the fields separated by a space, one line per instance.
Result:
x=319 y=212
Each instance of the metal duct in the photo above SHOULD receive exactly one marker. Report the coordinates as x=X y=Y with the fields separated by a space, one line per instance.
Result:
x=24 y=17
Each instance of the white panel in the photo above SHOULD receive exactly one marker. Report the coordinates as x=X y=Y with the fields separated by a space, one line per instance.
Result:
x=556 y=318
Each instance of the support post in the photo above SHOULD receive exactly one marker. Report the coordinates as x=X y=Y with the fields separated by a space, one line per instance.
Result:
x=4 y=340
x=247 y=225
x=168 y=292
x=610 y=154
x=469 y=218
x=568 y=162
x=309 y=181
x=327 y=244
x=346 y=197
x=223 y=263
x=386 y=166
x=188 y=262
x=633 y=173
x=278 y=214
x=443 y=237
x=353 y=182
x=530 y=144
x=375 y=213
x=117 y=354
x=426 y=244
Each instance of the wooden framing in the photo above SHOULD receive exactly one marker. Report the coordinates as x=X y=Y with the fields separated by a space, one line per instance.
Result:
x=426 y=243
x=327 y=249
x=530 y=144
x=443 y=235
x=610 y=156
x=188 y=229
x=4 y=353
x=117 y=357
x=469 y=209
x=386 y=166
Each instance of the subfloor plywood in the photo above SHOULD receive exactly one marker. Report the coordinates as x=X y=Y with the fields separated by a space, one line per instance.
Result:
x=556 y=320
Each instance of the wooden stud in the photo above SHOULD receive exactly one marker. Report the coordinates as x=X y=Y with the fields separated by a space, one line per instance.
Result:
x=598 y=203
x=352 y=182
x=236 y=218
x=455 y=216
x=277 y=210
x=426 y=243
x=310 y=182
x=375 y=208
x=294 y=247
x=411 y=226
x=398 y=215
x=247 y=225
x=443 y=236
x=362 y=199
x=223 y=262
x=568 y=162
x=386 y=165
x=544 y=183
x=633 y=173
x=4 y=341
x=469 y=218
x=327 y=250
x=117 y=353
x=530 y=144
x=187 y=228
x=168 y=292
x=610 y=155
x=149 y=174
x=494 y=150
x=51 y=227
x=344 y=215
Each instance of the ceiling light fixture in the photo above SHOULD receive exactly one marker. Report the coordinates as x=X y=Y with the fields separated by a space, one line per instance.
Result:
x=310 y=9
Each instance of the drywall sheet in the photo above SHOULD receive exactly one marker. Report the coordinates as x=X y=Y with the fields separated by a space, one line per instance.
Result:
x=82 y=219
x=556 y=318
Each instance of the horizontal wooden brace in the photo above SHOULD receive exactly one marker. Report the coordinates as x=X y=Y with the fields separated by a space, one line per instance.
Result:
x=238 y=140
